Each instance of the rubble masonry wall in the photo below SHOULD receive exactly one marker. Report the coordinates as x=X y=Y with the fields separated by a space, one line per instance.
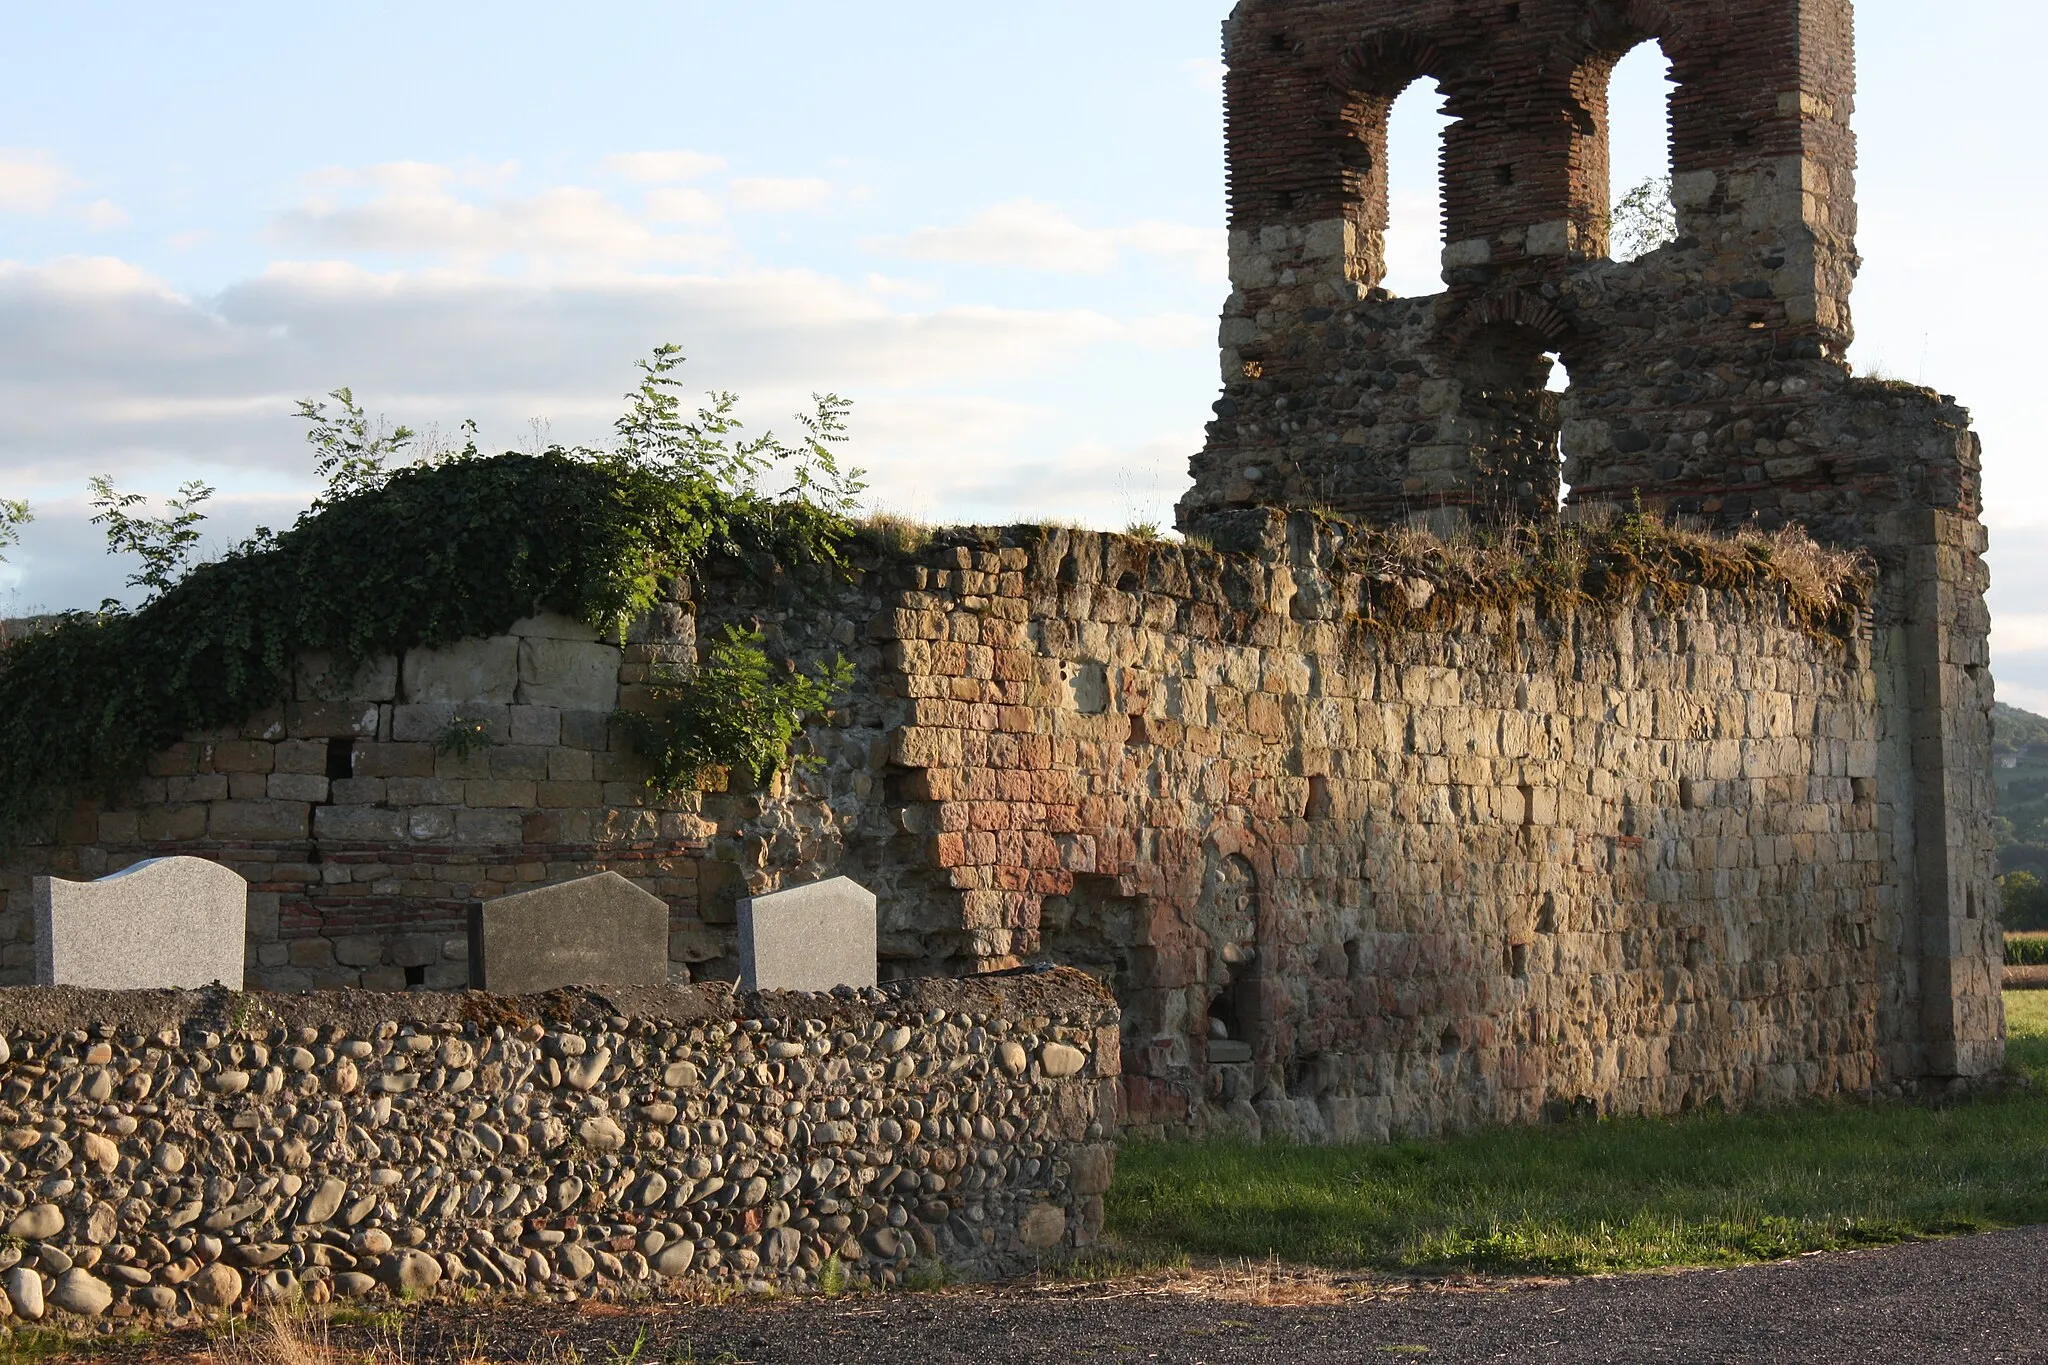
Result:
x=171 y=1153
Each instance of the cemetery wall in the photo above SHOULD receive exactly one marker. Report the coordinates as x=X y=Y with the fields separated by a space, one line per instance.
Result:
x=1348 y=881
x=167 y=1152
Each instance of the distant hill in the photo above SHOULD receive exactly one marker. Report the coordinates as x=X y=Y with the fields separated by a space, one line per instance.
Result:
x=2013 y=730
x=2019 y=748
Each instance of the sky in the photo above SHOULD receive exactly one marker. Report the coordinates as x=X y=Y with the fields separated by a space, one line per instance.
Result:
x=997 y=229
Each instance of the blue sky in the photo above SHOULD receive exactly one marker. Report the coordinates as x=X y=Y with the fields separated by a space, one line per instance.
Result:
x=998 y=229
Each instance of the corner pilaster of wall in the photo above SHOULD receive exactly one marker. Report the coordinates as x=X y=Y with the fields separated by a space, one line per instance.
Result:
x=1948 y=688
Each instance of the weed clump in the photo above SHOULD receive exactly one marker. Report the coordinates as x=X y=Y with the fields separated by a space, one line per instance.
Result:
x=1412 y=579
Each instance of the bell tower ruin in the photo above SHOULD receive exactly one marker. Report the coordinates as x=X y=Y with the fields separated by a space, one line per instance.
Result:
x=1707 y=378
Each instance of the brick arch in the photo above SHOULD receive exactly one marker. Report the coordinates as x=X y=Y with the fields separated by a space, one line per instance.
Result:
x=1519 y=309
x=1362 y=86
x=1615 y=27
x=1498 y=340
x=1307 y=111
x=1385 y=62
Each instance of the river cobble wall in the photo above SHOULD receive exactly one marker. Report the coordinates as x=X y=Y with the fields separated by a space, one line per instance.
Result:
x=176 y=1154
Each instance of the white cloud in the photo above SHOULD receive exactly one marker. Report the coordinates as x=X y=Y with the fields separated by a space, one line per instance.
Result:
x=1023 y=233
x=104 y=360
x=1171 y=331
x=779 y=196
x=103 y=215
x=413 y=209
x=417 y=177
x=2026 y=698
x=654 y=168
x=1415 y=244
x=1035 y=236
x=32 y=181
x=474 y=214
x=2019 y=632
x=682 y=206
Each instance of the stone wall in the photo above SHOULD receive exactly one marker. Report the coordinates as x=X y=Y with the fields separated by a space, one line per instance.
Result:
x=366 y=835
x=171 y=1153
x=1348 y=881
x=1352 y=883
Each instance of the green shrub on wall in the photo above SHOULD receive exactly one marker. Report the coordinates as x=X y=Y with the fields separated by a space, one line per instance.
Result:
x=735 y=714
x=390 y=560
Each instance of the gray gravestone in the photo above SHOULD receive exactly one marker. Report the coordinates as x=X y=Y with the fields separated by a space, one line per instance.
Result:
x=594 y=931
x=811 y=939
x=164 y=924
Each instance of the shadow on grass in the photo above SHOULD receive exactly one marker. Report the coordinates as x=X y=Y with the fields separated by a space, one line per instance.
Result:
x=1634 y=1194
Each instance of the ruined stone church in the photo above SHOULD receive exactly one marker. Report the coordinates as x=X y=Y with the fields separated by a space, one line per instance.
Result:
x=1367 y=843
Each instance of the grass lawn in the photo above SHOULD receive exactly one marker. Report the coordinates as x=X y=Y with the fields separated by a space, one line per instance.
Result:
x=1621 y=1195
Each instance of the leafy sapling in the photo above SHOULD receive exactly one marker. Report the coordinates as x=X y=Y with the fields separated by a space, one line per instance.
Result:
x=653 y=434
x=737 y=713
x=708 y=450
x=1644 y=220
x=817 y=478
x=14 y=514
x=164 y=544
x=352 y=454
x=463 y=736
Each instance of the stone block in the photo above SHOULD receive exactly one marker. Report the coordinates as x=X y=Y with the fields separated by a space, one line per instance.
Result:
x=310 y=787
x=197 y=787
x=430 y=824
x=812 y=938
x=481 y=671
x=164 y=824
x=333 y=719
x=359 y=791
x=573 y=675
x=426 y=722
x=540 y=725
x=424 y=791
x=264 y=820
x=358 y=824
x=301 y=756
x=587 y=729
x=519 y=761
x=242 y=756
x=550 y=625
x=499 y=794
x=594 y=931
x=164 y=924
x=371 y=680
x=720 y=889
x=394 y=760
x=499 y=828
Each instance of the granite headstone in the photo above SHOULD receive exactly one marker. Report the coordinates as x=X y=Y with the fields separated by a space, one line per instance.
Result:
x=594 y=931
x=812 y=938
x=163 y=924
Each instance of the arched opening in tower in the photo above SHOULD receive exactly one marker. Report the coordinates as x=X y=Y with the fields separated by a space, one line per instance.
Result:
x=1415 y=190
x=1641 y=215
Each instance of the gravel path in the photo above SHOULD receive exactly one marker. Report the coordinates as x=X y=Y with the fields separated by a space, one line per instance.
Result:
x=1971 y=1299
